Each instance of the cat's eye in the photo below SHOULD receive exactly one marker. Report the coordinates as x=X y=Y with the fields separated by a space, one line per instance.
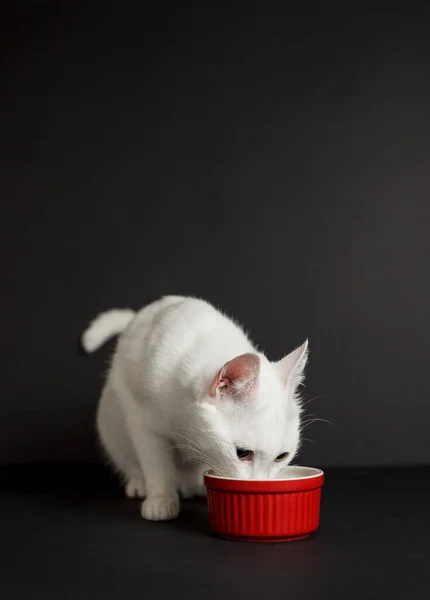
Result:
x=282 y=456
x=244 y=454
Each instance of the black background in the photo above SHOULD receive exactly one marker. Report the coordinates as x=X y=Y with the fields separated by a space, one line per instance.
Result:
x=271 y=159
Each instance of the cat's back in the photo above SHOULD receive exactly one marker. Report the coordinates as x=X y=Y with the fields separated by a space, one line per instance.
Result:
x=178 y=320
x=175 y=341
x=174 y=325
x=170 y=314
x=169 y=317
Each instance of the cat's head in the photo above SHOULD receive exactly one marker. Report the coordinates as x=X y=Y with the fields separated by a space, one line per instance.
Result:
x=250 y=417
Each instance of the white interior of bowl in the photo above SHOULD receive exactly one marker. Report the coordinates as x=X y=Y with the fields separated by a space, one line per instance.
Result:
x=293 y=472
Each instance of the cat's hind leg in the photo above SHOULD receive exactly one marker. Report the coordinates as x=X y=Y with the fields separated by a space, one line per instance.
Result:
x=116 y=444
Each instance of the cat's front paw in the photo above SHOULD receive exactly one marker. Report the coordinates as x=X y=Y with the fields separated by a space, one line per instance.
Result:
x=187 y=491
x=161 y=508
x=191 y=490
x=202 y=491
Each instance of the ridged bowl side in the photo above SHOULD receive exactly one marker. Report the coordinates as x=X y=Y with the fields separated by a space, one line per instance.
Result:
x=264 y=516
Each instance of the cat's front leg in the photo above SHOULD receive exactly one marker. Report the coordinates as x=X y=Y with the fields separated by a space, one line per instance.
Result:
x=156 y=461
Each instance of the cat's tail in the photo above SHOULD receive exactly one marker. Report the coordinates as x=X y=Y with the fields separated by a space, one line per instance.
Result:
x=104 y=327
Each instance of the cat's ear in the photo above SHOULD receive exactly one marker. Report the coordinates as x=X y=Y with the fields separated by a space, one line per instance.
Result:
x=291 y=368
x=237 y=378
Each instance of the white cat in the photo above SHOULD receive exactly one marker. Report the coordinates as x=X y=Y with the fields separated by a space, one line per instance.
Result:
x=187 y=391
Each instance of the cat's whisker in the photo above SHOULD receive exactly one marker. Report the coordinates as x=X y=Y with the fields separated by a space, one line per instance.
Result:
x=194 y=443
x=193 y=450
x=206 y=459
x=304 y=404
x=306 y=424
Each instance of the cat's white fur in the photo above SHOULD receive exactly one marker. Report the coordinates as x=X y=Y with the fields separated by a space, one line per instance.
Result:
x=173 y=405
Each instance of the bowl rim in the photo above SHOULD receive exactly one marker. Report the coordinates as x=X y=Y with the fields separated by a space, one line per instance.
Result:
x=313 y=473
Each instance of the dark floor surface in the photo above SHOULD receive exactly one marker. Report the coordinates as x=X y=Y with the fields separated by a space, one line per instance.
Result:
x=67 y=532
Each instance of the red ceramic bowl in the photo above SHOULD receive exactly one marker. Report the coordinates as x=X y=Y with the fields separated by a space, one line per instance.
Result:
x=265 y=511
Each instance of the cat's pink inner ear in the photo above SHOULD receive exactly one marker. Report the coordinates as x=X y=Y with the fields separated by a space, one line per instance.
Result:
x=236 y=376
